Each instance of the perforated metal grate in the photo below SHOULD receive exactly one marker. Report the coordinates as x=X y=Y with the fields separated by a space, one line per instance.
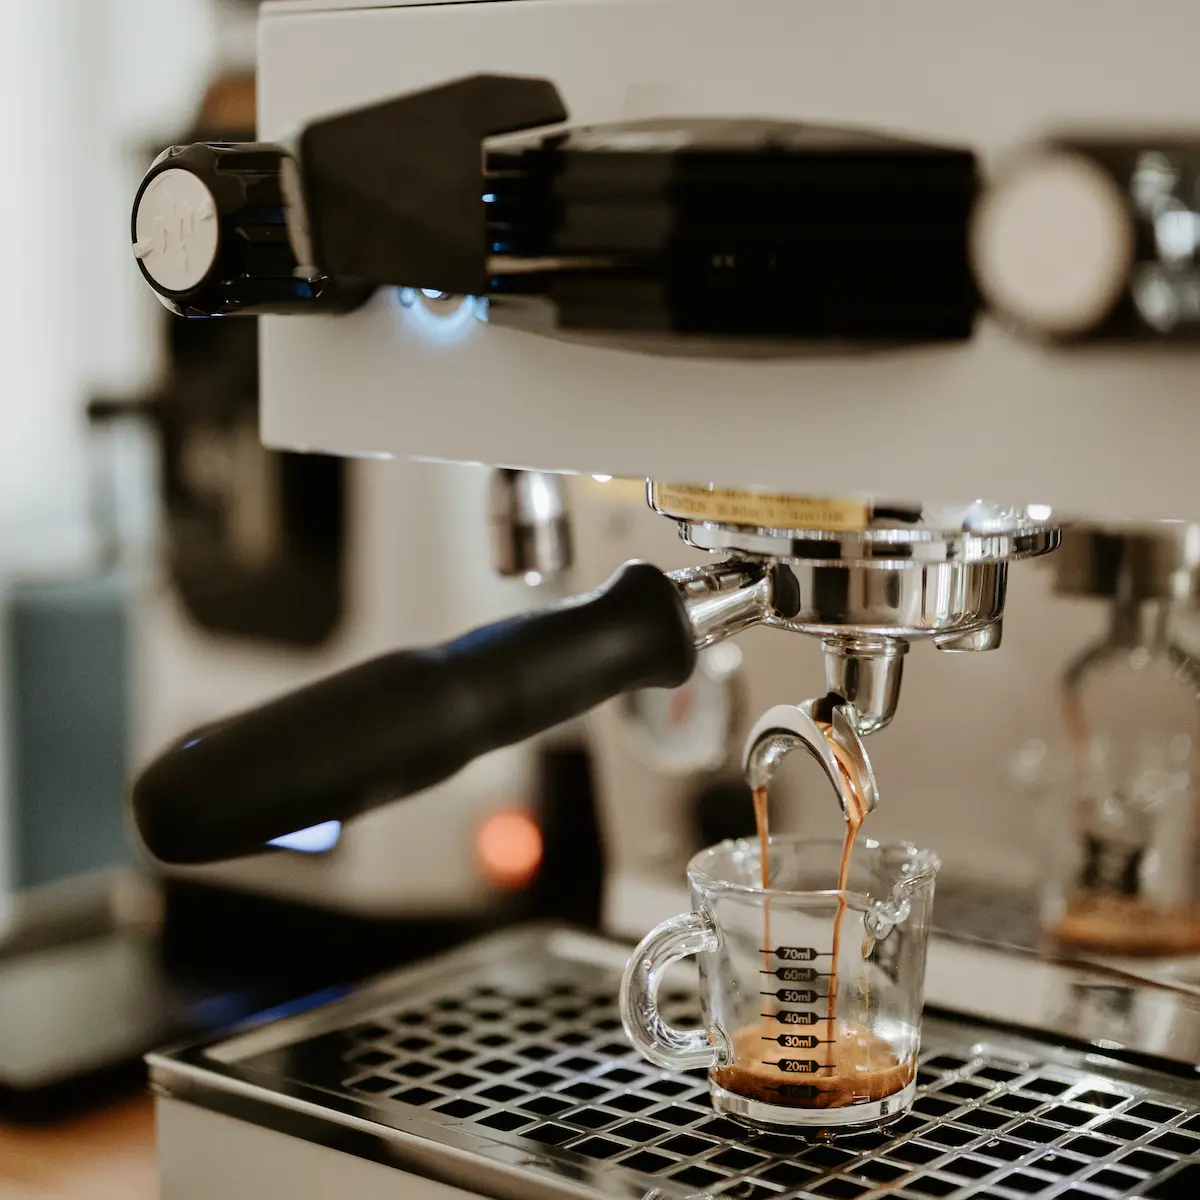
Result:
x=548 y=1066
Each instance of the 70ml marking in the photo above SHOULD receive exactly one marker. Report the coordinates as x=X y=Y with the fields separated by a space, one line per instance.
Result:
x=797 y=953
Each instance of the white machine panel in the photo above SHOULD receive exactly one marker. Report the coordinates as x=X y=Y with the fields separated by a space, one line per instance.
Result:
x=996 y=417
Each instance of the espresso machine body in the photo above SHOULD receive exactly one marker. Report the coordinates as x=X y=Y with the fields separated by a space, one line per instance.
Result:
x=500 y=1070
x=994 y=417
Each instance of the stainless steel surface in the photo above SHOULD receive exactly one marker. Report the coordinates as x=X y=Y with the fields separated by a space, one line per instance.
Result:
x=530 y=525
x=723 y=599
x=940 y=600
x=501 y=1068
x=986 y=637
x=786 y=727
x=863 y=577
x=880 y=532
x=865 y=570
x=1130 y=561
x=908 y=602
x=866 y=673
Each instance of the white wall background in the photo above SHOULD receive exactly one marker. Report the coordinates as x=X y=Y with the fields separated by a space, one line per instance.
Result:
x=87 y=85
x=87 y=88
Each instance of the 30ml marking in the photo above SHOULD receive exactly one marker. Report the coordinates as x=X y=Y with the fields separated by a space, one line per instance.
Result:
x=799 y=1041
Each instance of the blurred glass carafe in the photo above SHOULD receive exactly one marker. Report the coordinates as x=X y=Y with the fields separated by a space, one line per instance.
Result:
x=1116 y=790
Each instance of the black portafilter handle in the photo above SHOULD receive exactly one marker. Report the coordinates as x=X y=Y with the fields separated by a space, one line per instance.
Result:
x=407 y=720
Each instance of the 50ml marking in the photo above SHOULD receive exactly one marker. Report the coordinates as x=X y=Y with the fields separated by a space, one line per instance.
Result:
x=797 y=995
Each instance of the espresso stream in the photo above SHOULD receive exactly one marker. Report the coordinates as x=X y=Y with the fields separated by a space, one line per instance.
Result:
x=860 y=1066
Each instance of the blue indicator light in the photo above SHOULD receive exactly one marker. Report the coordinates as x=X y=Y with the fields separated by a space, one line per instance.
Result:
x=316 y=839
x=448 y=326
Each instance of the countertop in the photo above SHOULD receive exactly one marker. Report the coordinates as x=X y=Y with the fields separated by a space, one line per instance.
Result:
x=105 y=1155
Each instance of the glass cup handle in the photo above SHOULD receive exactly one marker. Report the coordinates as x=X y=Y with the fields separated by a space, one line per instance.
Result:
x=678 y=1049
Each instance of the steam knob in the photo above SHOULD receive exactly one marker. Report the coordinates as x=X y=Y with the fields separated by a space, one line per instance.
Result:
x=1094 y=239
x=210 y=236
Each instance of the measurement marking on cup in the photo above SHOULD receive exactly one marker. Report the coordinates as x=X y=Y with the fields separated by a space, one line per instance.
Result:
x=800 y=1041
x=795 y=1091
x=797 y=953
x=798 y=974
x=794 y=1017
x=799 y=1066
x=797 y=995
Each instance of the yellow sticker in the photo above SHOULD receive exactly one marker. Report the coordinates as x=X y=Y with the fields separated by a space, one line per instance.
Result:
x=762 y=509
x=616 y=490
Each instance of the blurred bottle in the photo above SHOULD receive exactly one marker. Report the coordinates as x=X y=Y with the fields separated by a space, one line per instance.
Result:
x=1116 y=786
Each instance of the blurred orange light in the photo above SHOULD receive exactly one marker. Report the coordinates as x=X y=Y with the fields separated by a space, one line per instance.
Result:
x=509 y=848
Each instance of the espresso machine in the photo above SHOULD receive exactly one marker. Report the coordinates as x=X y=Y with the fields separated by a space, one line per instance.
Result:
x=872 y=322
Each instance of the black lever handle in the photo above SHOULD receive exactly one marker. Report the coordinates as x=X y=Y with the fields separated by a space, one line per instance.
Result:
x=404 y=721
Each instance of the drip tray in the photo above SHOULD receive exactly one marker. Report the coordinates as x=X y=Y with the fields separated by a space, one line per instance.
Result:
x=502 y=1069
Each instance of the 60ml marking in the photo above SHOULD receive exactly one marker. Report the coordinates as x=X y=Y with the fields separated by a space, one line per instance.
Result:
x=797 y=974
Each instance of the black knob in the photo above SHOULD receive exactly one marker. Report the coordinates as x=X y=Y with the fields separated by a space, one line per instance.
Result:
x=210 y=235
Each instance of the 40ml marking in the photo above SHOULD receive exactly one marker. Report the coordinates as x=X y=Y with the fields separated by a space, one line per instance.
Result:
x=794 y=1017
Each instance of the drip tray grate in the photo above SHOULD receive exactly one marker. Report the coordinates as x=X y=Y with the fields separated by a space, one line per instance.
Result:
x=513 y=1049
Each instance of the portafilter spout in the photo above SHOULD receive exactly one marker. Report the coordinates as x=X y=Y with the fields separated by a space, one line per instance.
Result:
x=812 y=726
x=865 y=673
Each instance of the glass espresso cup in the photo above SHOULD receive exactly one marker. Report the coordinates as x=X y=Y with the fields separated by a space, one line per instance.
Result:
x=811 y=999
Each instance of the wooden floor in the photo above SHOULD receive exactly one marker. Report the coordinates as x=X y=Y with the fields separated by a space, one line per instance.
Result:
x=108 y=1155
